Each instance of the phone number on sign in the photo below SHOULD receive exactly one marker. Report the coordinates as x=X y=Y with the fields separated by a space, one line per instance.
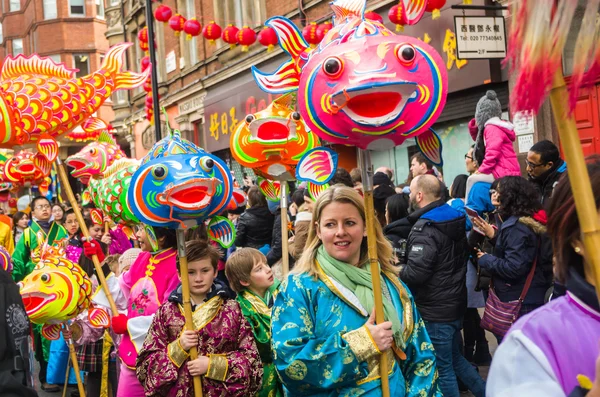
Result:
x=481 y=38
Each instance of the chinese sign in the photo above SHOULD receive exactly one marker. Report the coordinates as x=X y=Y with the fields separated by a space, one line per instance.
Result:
x=480 y=37
x=449 y=48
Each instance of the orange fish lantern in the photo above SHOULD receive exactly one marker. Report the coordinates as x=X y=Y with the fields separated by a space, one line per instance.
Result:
x=273 y=141
x=28 y=169
x=41 y=100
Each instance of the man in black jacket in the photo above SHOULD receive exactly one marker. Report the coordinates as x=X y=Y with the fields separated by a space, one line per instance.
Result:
x=544 y=168
x=435 y=272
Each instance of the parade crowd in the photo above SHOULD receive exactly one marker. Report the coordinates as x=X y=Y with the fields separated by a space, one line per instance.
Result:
x=490 y=239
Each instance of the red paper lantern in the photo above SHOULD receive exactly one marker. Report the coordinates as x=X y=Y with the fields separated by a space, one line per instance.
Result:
x=268 y=38
x=12 y=202
x=398 y=17
x=145 y=63
x=323 y=29
x=148 y=85
x=163 y=13
x=211 y=32
x=144 y=46
x=373 y=16
x=246 y=37
x=192 y=28
x=434 y=7
x=230 y=35
x=143 y=35
x=176 y=23
x=310 y=34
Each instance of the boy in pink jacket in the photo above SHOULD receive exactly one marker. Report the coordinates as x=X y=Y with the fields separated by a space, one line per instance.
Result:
x=494 y=139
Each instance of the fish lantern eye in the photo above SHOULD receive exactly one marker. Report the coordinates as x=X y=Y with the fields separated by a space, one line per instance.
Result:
x=333 y=67
x=249 y=118
x=93 y=151
x=207 y=163
x=45 y=277
x=296 y=116
x=406 y=54
x=159 y=172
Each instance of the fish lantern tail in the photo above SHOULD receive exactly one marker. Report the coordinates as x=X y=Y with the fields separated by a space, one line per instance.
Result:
x=436 y=14
x=113 y=61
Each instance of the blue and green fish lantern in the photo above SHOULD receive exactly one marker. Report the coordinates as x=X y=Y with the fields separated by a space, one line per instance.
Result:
x=179 y=185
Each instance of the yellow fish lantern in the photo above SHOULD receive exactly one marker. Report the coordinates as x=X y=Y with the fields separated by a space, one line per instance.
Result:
x=58 y=290
x=273 y=140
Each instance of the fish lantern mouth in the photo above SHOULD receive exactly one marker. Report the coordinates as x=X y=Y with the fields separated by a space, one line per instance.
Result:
x=80 y=166
x=26 y=168
x=35 y=301
x=375 y=105
x=192 y=195
x=273 y=130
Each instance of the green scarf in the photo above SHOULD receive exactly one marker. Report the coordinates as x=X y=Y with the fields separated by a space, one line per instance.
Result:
x=359 y=281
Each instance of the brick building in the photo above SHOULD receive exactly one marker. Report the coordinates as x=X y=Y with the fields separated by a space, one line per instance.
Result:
x=68 y=31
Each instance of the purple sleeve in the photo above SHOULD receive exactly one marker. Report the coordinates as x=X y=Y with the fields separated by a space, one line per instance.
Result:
x=493 y=149
x=120 y=242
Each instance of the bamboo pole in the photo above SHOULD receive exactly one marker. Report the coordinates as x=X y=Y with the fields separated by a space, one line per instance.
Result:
x=187 y=305
x=64 y=180
x=578 y=175
x=66 y=385
x=75 y=363
x=285 y=259
x=367 y=180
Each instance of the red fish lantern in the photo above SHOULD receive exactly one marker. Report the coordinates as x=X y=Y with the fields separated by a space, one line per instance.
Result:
x=230 y=35
x=145 y=63
x=310 y=34
x=192 y=28
x=373 y=16
x=246 y=37
x=176 y=23
x=163 y=13
x=434 y=7
x=143 y=35
x=323 y=29
x=397 y=16
x=268 y=38
x=211 y=32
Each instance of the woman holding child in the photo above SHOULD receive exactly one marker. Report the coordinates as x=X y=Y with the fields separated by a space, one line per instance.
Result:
x=325 y=339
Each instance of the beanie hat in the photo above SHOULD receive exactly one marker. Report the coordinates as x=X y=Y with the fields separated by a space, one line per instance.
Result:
x=487 y=107
x=128 y=258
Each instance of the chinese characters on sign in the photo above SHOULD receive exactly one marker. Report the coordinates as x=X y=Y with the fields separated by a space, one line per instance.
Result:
x=449 y=48
x=480 y=37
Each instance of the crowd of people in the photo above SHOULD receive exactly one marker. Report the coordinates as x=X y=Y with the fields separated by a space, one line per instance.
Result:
x=490 y=240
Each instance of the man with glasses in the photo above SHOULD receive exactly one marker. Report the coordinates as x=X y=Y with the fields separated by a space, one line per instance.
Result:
x=544 y=168
x=40 y=230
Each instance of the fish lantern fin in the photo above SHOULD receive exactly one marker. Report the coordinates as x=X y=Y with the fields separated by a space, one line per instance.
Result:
x=342 y=9
x=112 y=63
x=99 y=318
x=430 y=144
x=287 y=100
x=222 y=231
x=270 y=189
x=20 y=65
x=317 y=166
x=240 y=197
x=42 y=163
x=290 y=37
x=48 y=147
x=51 y=331
x=315 y=190
x=284 y=80
x=94 y=124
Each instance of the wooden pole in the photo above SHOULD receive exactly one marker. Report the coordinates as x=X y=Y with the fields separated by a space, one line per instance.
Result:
x=65 y=386
x=75 y=363
x=64 y=181
x=578 y=175
x=285 y=258
x=187 y=305
x=367 y=180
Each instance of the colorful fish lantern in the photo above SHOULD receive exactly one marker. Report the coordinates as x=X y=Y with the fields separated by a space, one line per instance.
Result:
x=95 y=158
x=58 y=290
x=90 y=130
x=178 y=184
x=27 y=169
x=363 y=85
x=273 y=140
x=41 y=100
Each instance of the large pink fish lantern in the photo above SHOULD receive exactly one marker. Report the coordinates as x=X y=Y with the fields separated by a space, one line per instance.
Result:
x=363 y=85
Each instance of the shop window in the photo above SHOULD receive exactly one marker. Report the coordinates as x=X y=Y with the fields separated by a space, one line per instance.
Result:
x=100 y=9
x=114 y=3
x=17 y=46
x=1 y=34
x=55 y=58
x=240 y=12
x=14 y=5
x=50 y=10
x=120 y=97
x=191 y=46
x=82 y=62
x=77 y=8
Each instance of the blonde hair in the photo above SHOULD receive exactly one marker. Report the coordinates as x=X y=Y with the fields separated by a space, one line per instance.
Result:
x=346 y=195
x=239 y=266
